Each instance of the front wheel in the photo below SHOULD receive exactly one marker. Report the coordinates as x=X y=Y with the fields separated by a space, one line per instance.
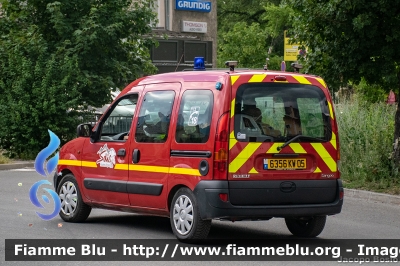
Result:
x=306 y=227
x=73 y=209
x=185 y=217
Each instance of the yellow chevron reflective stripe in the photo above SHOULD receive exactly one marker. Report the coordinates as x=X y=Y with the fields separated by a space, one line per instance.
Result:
x=69 y=162
x=232 y=108
x=120 y=166
x=301 y=79
x=184 y=171
x=317 y=171
x=89 y=164
x=297 y=148
x=233 y=79
x=253 y=171
x=257 y=78
x=243 y=156
x=331 y=110
x=320 y=80
x=148 y=168
x=232 y=140
x=325 y=156
x=134 y=167
x=333 y=140
x=274 y=148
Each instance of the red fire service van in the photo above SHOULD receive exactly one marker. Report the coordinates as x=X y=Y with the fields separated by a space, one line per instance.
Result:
x=201 y=145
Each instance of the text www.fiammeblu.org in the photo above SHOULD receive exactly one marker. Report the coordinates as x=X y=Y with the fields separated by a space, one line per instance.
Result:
x=230 y=250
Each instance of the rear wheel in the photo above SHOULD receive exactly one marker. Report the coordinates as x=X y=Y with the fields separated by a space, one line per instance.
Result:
x=306 y=227
x=73 y=209
x=185 y=217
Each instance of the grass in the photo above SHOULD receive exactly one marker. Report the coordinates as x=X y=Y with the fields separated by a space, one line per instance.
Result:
x=366 y=142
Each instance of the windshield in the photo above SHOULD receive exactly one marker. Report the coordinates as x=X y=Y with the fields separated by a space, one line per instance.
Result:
x=278 y=112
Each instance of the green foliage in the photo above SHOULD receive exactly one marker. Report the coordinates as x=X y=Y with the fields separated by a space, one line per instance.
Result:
x=56 y=58
x=366 y=137
x=3 y=159
x=233 y=11
x=245 y=44
x=349 y=40
x=371 y=93
x=247 y=30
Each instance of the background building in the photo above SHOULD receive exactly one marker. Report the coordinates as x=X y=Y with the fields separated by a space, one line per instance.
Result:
x=190 y=28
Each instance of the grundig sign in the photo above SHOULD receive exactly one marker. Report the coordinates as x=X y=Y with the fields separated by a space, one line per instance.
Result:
x=193 y=5
x=192 y=26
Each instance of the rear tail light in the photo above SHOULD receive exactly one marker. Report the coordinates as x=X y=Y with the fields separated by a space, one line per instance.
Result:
x=221 y=148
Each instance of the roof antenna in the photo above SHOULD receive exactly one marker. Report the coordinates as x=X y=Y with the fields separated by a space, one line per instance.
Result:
x=179 y=63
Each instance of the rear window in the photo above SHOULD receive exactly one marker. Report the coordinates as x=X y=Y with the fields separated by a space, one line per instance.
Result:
x=278 y=112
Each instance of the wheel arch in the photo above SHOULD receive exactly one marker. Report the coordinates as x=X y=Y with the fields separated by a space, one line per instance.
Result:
x=63 y=172
x=171 y=194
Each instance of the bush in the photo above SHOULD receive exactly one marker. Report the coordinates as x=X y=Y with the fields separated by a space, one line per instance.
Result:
x=366 y=142
x=3 y=159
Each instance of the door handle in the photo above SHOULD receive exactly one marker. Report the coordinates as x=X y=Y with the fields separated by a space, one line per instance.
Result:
x=135 y=156
x=121 y=152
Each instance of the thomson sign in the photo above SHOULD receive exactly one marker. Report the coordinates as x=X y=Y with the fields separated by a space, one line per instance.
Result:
x=193 y=5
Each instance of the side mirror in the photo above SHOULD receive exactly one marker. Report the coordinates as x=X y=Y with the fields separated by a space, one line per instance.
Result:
x=84 y=130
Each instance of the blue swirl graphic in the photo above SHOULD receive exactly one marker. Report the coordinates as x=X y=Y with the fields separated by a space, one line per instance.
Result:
x=35 y=201
x=46 y=152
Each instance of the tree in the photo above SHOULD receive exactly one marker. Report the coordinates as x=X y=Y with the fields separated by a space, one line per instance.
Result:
x=244 y=43
x=57 y=58
x=247 y=30
x=249 y=11
x=352 y=39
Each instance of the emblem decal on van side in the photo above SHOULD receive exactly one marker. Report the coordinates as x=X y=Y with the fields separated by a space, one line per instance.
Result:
x=194 y=116
x=107 y=157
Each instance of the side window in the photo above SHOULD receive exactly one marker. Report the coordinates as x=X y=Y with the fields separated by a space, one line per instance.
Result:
x=154 y=117
x=194 y=118
x=118 y=123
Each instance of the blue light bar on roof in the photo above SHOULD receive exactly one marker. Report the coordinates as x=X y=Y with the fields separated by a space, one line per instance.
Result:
x=199 y=63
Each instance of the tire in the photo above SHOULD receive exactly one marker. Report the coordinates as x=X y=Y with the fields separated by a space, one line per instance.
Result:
x=73 y=209
x=185 y=217
x=311 y=227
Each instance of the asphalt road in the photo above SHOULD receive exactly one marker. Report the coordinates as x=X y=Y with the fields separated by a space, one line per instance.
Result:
x=359 y=220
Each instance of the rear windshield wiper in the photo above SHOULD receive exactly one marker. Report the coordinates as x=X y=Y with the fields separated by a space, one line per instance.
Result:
x=297 y=137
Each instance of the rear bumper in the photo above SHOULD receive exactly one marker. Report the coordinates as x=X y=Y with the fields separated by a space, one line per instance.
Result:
x=211 y=206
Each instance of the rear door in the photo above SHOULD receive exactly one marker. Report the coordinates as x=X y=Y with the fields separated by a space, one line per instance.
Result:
x=192 y=146
x=281 y=131
x=150 y=147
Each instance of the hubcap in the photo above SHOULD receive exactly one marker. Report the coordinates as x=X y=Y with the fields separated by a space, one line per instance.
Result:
x=183 y=215
x=68 y=196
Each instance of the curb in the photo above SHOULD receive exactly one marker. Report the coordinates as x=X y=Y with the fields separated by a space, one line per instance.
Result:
x=11 y=166
x=372 y=196
x=351 y=193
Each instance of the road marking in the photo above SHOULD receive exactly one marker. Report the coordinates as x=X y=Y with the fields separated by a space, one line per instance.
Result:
x=23 y=170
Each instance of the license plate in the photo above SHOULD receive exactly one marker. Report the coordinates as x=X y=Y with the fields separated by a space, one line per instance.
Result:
x=284 y=164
